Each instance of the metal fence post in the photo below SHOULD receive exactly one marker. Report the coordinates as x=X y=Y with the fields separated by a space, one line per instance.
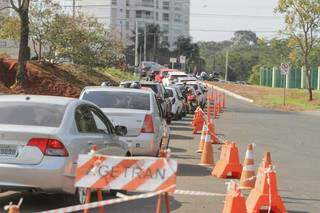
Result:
x=273 y=77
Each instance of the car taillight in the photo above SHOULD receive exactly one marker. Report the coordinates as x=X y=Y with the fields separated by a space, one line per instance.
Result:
x=191 y=97
x=49 y=147
x=173 y=100
x=147 y=126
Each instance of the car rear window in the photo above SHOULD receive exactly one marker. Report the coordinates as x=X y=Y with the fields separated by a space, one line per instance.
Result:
x=177 y=76
x=118 y=99
x=194 y=86
x=170 y=92
x=31 y=114
x=154 y=87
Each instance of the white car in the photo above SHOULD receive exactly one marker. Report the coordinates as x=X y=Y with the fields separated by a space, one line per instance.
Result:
x=172 y=77
x=176 y=101
x=139 y=111
x=41 y=138
x=187 y=79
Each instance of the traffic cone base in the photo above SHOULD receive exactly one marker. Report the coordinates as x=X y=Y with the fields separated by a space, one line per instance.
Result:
x=228 y=164
x=264 y=191
x=263 y=202
x=198 y=120
x=234 y=202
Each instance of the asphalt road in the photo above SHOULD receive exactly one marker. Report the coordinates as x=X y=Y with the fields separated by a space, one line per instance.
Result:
x=292 y=139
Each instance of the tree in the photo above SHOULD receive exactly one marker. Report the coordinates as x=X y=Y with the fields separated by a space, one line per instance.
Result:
x=21 y=7
x=302 y=19
x=155 y=47
x=42 y=13
x=244 y=37
x=81 y=40
x=10 y=27
x=185 y=46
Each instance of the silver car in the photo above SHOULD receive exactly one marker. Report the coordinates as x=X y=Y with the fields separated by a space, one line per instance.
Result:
x=139 y=111
x=42 y=136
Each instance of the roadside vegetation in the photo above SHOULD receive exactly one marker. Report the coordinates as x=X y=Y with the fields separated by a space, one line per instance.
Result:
x=296 y=99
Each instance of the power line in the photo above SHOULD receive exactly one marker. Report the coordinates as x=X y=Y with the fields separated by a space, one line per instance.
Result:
x=232 y=31
x=235 y=15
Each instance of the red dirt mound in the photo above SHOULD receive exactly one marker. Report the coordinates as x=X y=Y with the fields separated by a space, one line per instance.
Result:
x=48 y=79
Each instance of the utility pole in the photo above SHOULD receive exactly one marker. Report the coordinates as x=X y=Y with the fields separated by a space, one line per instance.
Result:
x=136 y=46
x=154 y=48
x=145 y=43
x=73 y=8
x=227 y=66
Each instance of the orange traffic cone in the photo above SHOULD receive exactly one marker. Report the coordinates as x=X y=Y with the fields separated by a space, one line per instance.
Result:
x=234 y=202
x=214 y=138
x=198 y=120
x=220 y=103
x=266 y=161
x=248 y=179
x=208 y=110
x=224 y=100
x=215 y=111
x=207 y=153
x=228 y=163
x=265 y=194
x=202 y=138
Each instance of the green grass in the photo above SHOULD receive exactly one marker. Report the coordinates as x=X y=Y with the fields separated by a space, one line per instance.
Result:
x=296 y=100
x=119 y=75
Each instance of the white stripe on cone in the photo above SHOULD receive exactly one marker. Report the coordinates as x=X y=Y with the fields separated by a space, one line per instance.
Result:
x=249 y=154
x=248 y=168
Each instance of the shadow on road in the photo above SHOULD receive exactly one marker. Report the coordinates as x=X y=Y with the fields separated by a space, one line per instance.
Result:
x=301 y=199
x=175 y=149
x=42 y=202
x=180 y=137
x=185 y=157
x=180 y=124
x=193 y=170
x=174 y=128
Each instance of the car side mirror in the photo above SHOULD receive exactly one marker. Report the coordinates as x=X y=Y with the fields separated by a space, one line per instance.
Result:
x=121 y=130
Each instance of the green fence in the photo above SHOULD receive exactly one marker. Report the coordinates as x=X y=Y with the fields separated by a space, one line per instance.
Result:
x=272 y=77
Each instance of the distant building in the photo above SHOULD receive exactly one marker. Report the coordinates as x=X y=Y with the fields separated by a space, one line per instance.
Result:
x=173 y=16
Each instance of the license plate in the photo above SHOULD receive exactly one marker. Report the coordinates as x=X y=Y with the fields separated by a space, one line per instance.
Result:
x=8 y=151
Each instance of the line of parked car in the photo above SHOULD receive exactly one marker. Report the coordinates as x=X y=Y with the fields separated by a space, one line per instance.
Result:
x=42 y=136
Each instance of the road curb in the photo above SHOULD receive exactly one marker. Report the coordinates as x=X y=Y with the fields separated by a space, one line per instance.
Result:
x=232 y=94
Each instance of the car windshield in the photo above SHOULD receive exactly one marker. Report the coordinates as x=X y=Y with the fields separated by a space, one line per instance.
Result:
x=31 y=114
x=152 y=86
x=119 y=99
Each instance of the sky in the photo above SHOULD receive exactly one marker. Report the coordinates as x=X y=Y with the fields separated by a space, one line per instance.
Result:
x=210 y=16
